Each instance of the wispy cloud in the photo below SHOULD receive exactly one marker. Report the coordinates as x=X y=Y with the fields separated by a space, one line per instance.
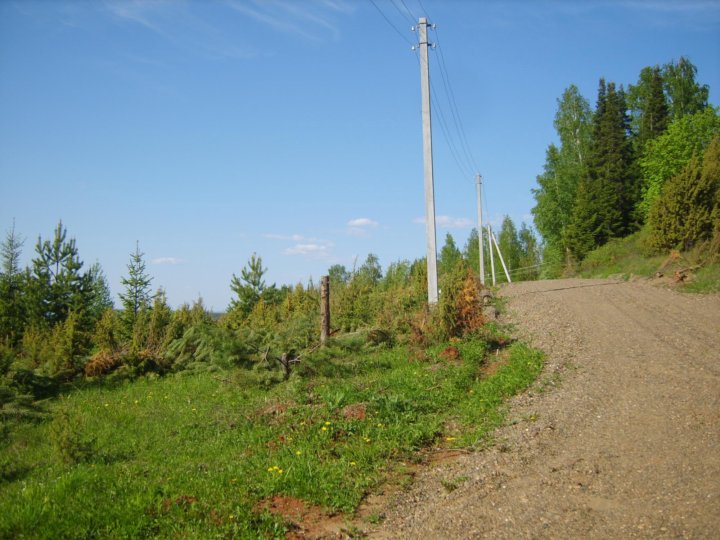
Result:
x=448 y=222
x=310 y=20
x=168 y=260
x=360 y=227
x=320 y=251
x=180 y=24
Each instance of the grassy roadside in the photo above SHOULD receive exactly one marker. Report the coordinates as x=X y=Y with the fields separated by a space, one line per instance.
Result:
x=197 y=455
x=630 y=257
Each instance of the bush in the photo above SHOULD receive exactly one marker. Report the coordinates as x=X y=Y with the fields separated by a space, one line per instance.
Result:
x=67 y=437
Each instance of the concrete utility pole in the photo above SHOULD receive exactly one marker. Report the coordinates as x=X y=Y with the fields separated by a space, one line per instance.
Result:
x=428 y=166
x=478 y=183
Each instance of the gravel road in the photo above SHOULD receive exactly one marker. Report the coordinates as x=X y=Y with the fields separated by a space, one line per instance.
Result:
x=619 y=438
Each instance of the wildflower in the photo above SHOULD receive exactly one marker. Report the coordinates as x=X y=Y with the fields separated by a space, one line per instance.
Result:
x=379 y=425
x=324 y=428
x=449 y=438
x=107 y=405
x=194 y=409
x=232 y=517
x=136 y=402
x=366 y=439
x=298 y=452
x=352 y=463
x=327 y=423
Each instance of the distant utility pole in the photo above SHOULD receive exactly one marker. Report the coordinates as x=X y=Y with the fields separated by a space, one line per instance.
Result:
x=428 y=166
x=478 y=184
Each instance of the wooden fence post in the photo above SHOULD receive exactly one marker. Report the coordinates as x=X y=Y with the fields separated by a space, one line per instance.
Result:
x=324 y=309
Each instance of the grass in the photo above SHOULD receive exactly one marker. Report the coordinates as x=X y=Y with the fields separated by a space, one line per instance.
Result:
x=629 y=257
x=624 y=257
x=195 y=455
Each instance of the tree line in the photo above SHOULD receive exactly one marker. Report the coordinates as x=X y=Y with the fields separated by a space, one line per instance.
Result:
x=645 y=159
x=58 y=321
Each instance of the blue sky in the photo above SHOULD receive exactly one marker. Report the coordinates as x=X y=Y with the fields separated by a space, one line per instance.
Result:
x=209 y=130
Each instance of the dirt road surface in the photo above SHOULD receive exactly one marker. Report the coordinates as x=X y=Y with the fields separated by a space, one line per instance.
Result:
x=620 y=437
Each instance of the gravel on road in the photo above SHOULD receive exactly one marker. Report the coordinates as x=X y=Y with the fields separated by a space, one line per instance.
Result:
x=619 y=438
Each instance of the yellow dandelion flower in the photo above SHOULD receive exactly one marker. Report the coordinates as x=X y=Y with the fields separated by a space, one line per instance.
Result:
x=449 y=438
x=136 y=402
x=352 y=463
x=298 y=452
x=327 y=423
x=324 y=428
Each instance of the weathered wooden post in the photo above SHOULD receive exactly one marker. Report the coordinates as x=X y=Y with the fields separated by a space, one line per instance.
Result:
x=324 y=309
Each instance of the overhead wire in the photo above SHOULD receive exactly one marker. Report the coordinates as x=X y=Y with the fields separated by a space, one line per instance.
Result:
x=405 y=14
x=387 y=20
x=456 y=113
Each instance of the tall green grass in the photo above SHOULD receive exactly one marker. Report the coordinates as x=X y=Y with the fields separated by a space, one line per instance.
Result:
x=195 y=455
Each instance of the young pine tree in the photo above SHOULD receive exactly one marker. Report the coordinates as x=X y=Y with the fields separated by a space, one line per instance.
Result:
x=248 y=288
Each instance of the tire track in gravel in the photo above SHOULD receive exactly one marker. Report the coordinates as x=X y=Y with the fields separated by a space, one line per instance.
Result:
x=619 y=438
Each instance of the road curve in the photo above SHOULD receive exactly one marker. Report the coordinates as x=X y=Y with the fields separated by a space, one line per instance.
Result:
x=620 y=437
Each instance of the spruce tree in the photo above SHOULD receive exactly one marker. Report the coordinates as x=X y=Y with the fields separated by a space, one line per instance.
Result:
x=585 y=225
x=612 y=186
x=136 y=298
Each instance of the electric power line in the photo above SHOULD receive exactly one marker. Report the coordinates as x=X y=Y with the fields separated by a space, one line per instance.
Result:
x=454 y=107
x=387 y=20
x=405 y=14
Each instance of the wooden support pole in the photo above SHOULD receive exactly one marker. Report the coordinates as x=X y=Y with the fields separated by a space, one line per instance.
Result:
x=324 y=309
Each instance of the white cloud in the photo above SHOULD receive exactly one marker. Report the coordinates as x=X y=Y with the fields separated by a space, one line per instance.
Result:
x=167 y=260
x=362 y=222
x=448 y=222
x=310 y=250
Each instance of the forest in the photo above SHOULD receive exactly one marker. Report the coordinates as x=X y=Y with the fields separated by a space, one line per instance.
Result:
x=645 y=162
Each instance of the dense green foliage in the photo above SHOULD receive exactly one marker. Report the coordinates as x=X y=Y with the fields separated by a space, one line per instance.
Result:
x=612 y=165
x=687 y=209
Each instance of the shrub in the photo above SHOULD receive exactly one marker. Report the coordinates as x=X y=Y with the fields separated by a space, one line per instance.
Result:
x=67 y=437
